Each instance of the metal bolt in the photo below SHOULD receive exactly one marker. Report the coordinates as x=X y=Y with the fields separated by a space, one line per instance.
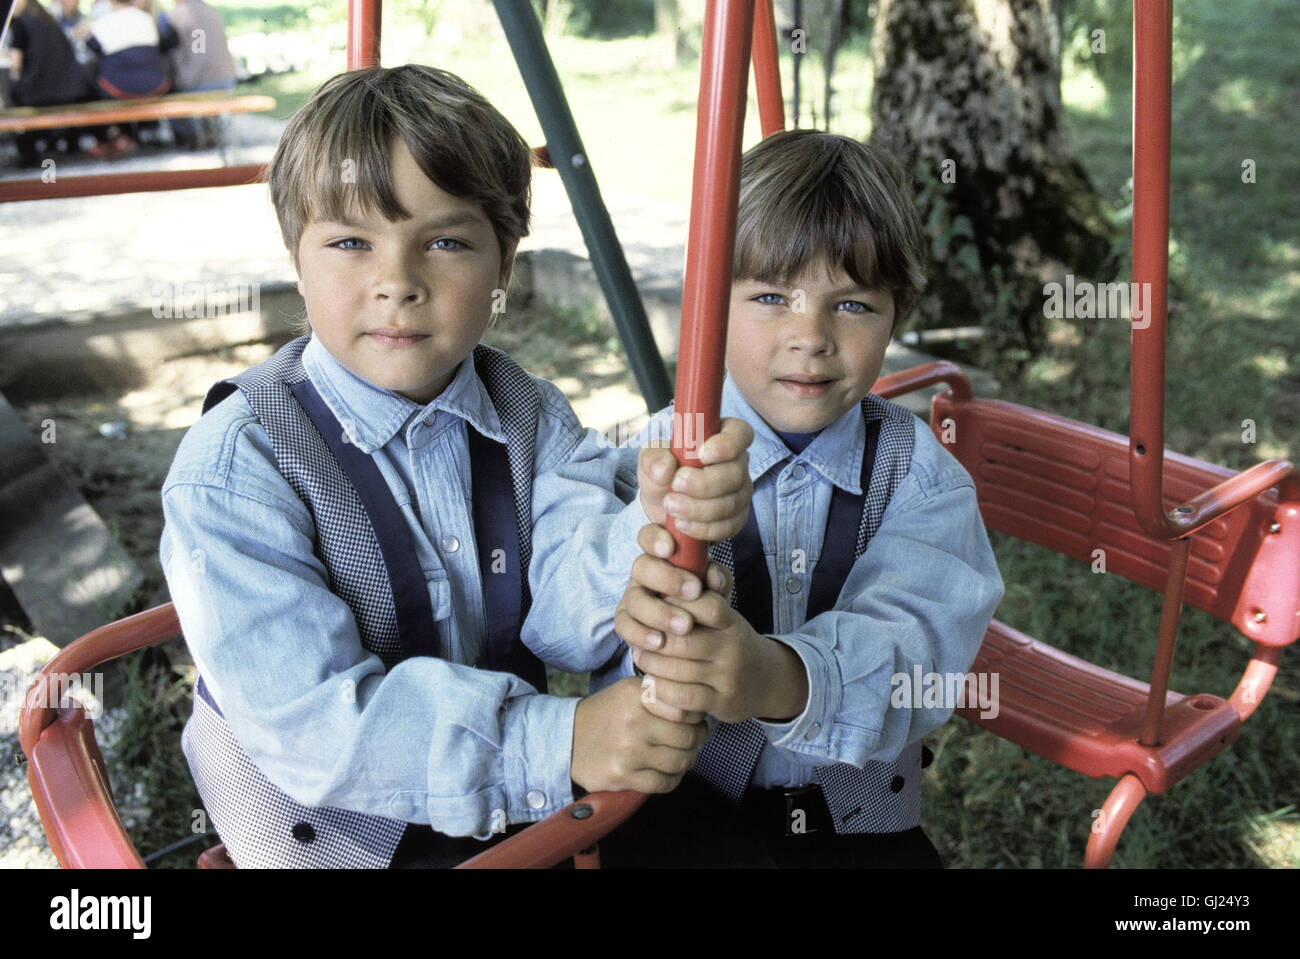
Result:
x=582 y=811
x=577 y=160
x=1184 y=509
x=1275 y=527
x=1261 y=616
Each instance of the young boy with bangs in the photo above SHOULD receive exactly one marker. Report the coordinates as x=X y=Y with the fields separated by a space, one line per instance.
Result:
x=376 y=538
x=863 y=557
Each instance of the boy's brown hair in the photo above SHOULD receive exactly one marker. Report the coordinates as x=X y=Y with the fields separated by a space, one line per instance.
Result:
x=333 y=156
x=809 y=199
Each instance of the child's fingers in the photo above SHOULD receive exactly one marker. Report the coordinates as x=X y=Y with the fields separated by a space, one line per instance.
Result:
x=671 y=762
x=641 y=612
x=656 y=541
x=711 y=610
x=655 y=466
x=662 y=710
x=651 y=782
x=711 y=482
x=720 y=580
x=677 y=669
x=672 y=734
x=729 y=443
x=726 y=509
x=662 y=577
x=692 y=697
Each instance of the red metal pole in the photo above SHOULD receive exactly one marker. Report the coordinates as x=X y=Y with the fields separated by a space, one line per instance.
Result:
x=364 y=19
x=706 y=293
x=1152 y=44
x=150 y=181
x=767 y=70
x=1175 y=579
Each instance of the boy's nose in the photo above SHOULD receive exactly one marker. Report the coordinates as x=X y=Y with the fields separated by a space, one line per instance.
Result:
x=400 y=281
x=810 y=332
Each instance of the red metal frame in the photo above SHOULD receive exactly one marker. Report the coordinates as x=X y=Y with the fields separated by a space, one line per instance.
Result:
x=104 y=184
x=706 y=290
x=1152 y=57
x=364 y=22
x=767 y=70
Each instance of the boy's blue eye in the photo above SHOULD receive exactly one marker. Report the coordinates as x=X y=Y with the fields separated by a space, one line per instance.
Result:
x=770 y=299
x=349 y=243
x=853 y=306
x=447 y=243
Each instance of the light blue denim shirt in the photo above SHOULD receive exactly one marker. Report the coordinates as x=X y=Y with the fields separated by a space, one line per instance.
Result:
x=434 y=740
x=922 y=593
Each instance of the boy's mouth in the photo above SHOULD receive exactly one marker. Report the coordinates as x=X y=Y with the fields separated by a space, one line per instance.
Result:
x=392 y=336
x=806 y=385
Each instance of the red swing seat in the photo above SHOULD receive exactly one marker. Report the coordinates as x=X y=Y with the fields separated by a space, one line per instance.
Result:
x=1064 y=485
x=75 y=800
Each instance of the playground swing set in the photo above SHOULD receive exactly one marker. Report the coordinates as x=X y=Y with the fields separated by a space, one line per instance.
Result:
x=1227 y=543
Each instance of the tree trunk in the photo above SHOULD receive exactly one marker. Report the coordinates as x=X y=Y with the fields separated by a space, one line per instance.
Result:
x=669 y=34
x=967 y=97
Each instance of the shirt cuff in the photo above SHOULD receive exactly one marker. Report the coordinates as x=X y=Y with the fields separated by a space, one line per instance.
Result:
x=808 y=734
x=623 y=548
x=538 y=755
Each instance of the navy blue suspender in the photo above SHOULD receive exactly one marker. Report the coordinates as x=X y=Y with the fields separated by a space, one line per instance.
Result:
x=415 y=629
x=495 y=530
x=754 y=585
x=497 y=535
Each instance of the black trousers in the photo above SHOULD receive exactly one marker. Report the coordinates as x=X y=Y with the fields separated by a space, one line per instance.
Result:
x=423 y=848
x=693 y=827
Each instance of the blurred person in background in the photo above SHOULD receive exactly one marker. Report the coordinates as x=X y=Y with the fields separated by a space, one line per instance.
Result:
x=44 y=72
x=200 y=61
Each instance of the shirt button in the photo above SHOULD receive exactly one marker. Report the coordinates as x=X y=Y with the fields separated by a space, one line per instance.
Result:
x=536 y=798
x=793 y=585
x=450 y=544
x=813 y=730
x=798 y=472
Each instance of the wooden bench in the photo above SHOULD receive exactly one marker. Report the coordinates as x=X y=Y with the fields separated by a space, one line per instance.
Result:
x=102 y=112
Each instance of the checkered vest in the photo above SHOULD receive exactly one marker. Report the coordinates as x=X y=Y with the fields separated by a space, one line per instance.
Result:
x=259 y=823
x=882 y=796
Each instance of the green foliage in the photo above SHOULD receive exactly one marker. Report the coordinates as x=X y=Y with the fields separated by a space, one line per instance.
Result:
x=956 y=264
x=151 y=781
x=266 y=18
x=1099 y=34
x=601 y=19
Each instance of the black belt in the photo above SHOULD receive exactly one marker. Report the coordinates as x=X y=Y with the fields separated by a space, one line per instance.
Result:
x=780 y=812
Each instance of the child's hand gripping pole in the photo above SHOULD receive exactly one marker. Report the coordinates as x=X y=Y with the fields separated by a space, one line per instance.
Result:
x=706 y=292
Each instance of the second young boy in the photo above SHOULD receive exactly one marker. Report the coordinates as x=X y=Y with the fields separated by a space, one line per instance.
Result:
x=863 y=558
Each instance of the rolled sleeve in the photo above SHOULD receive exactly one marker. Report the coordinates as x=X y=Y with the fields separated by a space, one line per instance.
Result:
x=921 y=595
x=824 y=693
x=538 y=784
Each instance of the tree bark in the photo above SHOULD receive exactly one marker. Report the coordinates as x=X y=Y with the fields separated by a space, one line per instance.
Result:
x=967 y=97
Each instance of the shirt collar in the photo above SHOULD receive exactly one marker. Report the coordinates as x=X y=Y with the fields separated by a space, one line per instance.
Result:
x=377 y=414
x=836 y=453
